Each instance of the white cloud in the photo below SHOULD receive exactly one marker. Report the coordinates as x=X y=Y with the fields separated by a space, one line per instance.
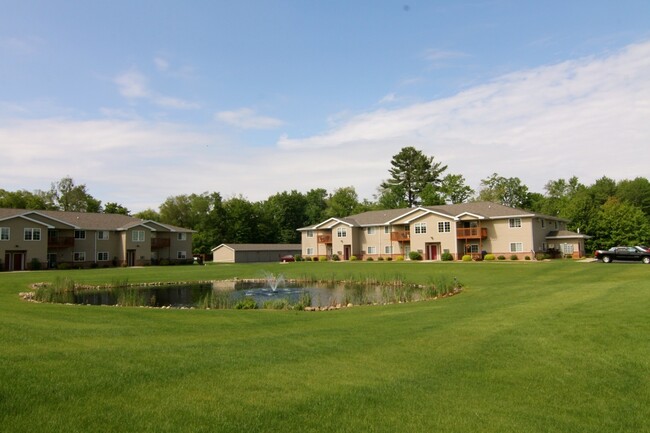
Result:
x=247 y=118
x=134 y=85
x=587 y=117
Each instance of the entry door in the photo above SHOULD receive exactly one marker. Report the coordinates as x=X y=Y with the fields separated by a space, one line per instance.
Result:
x=14 y=261
x=51 y=260
x=130 y=258
x=432 y=252
x=346 y=252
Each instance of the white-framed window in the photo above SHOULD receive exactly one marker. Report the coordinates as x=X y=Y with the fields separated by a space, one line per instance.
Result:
x=372 y=250
x=32 y=234
x=80 y=234
x=514 y=223
x=386 y=229
x=5 y=233
x=102 y=256
x=310 y=233
x=371 y=230
x=79 y=256
x=444 y=227
x=137 y=235
x=182 y=236
x=310 y=251
x=341 y=232
x=567 y=249
x=472 y=248
x=181 y=255
x=420 y=228
x=102 y=235
x=516 y=247
x=388 y=249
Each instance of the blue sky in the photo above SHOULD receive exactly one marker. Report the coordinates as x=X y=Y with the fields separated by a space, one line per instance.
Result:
x=142 y=100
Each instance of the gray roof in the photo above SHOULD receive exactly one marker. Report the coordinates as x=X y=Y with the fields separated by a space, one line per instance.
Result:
x=565 y=234
x=87 y=220
x=261 y=247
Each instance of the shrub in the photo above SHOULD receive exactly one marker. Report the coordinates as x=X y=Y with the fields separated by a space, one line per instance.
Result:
x=63 y=266
x=336 y=257
x=297 y=258
x=501 y=257
x=369 y=259
x=390 y=259
x=353 y=258
x=447 y=257
x=323 y=259
x=467 y=258
x=314 y=259
x=35 y=264
x=514 y=257
x=247 y=303
x=414 y=255
x=400 y=258
x=489 y=257
x=381 y=259
x=527 y=258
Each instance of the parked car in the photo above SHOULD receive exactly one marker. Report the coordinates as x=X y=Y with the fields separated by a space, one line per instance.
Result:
x=623 y=253
x=287 y=258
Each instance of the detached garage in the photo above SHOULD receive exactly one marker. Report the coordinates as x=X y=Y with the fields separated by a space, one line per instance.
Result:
x=251 y=253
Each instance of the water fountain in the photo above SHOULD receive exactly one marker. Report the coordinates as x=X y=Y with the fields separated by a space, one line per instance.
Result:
x=274 y=281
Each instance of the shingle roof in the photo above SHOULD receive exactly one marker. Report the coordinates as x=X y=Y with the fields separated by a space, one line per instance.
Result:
x=261 y=247
x=86 y=220
x=486 y=210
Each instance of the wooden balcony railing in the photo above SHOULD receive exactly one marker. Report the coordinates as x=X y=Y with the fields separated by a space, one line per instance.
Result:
x=472 y=233
x=324 y=239
x=403 y=236
x=60 y=242
x=159 y=243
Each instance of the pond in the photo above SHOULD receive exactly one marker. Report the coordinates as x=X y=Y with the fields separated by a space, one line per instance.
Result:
x=276 y=294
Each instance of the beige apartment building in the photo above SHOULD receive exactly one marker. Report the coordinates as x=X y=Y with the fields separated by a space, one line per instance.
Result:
x=459 y=229
x=47 y=239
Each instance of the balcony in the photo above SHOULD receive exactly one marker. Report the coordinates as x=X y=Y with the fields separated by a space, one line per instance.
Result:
x=55 y=242
x=157 y=243
x=324 y=239
x=403 y=236
x=472 y=233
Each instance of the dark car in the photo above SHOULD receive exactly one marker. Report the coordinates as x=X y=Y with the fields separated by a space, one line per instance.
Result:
x=287 y=258
x=623 y=253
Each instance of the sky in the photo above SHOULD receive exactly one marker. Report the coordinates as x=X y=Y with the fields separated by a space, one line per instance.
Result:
x=144 y=100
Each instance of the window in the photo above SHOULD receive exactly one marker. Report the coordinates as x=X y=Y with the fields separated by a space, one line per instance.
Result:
x=444 y=227
x=386 y=229
x=79 y=256
x=372 y=250
x=310 y=234
x=420 y=228
x=80 y=234
x=4 y=233
x=341 y=232
x=371 y=230
x=182 y=236
x=137 y=236
x=181 y=255
x=102 y=235
x=516 y=247
x=32 y=234
x=568 y=249
x=310 y=251
x=102 y=256
x=472 y=248
x=555 y=225
x=543 y=221
x=388 y=249
x=514 y=222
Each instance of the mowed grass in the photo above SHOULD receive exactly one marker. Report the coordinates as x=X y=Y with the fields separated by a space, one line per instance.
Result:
x=526 y=347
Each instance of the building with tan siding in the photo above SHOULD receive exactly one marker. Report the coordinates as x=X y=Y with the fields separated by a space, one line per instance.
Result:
x=49 y=239
x=459 y=229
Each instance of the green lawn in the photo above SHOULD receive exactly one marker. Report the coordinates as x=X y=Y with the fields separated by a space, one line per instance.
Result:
x=526 y=347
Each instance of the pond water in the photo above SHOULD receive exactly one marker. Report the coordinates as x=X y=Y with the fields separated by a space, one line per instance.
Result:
x=226 y=294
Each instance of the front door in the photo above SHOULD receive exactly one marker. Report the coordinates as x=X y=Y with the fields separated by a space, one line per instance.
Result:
x=432 y=252
x=14 y=261
x=51 y=260
x=347 y=252
x=130 y=258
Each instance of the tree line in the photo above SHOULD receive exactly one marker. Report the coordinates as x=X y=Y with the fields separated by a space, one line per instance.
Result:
x=611 y=212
